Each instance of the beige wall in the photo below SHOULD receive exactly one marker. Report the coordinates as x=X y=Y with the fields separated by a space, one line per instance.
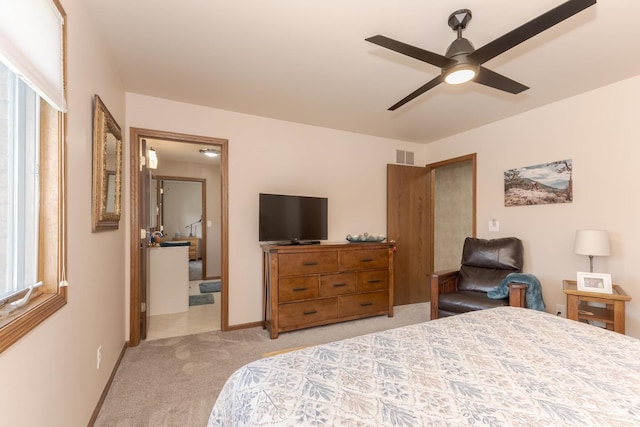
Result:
x=267 y=155
x=49 y=377
x=599 y=131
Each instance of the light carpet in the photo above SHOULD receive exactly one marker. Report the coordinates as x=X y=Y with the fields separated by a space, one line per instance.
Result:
x=175 y=381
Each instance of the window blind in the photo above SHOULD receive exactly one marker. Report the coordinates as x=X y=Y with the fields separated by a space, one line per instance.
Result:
x=31 y=45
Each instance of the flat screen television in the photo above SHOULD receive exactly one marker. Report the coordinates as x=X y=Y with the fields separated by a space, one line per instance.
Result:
x=292 y=219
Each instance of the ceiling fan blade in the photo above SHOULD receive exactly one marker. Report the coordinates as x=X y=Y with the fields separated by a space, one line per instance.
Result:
x=422 y=89
x=498 y=81
x=412 y=51
x=528 y=30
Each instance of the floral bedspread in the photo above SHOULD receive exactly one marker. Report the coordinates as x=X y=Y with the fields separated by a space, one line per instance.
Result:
x=500 y=367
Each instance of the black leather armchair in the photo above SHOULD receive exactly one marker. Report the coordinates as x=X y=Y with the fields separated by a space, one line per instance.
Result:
x=485 y=263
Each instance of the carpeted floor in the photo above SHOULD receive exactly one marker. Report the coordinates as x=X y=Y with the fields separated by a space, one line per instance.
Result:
x=175 y=381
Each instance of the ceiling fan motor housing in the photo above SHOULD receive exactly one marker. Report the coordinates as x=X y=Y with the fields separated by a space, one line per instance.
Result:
x=459 y=51
x=461 y=47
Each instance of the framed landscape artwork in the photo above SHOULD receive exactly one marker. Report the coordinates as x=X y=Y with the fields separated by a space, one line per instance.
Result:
x=541 y=184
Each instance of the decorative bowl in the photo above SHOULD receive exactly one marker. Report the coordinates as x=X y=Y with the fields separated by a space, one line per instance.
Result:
x=365 y=238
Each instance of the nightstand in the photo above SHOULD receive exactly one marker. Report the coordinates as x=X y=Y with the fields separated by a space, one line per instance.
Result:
x=579 y=306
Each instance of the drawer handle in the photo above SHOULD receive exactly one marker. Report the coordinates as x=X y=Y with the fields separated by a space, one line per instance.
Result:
x=366 y=260
x=374 y=281
x=365 y=304
x=307 y=313
x=309 y=263
x=337 y=285
x=299 y=289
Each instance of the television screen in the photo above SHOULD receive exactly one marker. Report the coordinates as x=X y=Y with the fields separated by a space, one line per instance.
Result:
x=292 y=219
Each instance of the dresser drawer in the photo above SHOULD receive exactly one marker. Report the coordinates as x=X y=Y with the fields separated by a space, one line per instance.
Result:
x=373 y=280
x=300 y=313
x=371 y=302
x=297 y=288
x=297 y=264
x=337 y=284
x=364 y=259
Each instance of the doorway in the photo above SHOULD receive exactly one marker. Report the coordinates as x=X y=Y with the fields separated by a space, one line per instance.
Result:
x=453 y=209
x=141 y=223
x=429 y=212
x=180 y=206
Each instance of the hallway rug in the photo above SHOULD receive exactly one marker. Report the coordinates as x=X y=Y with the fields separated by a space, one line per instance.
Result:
x=207 y=287
x=200 y=299
x=195 y=270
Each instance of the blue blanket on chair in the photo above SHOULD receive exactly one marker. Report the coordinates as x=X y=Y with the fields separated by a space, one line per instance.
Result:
x=533 y=294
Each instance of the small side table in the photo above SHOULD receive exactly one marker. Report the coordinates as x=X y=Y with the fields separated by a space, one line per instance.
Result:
x=578 y=307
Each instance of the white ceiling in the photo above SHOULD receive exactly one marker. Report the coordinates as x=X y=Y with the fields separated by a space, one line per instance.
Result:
x=307 y=61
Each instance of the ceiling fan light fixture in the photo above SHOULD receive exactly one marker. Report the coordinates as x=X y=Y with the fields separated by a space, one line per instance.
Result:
x=209 y=152
x=459 y=74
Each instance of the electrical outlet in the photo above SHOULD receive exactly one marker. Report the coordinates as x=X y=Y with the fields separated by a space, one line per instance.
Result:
x=560 y=310
x=99 y=357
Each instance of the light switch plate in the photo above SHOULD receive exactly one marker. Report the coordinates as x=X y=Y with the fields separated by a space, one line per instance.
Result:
x=494 y=225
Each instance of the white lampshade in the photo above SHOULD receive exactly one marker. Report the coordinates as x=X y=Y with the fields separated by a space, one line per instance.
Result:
x=592 y=243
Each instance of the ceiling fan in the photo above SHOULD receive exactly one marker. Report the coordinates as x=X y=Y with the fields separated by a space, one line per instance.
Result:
x=462 y=63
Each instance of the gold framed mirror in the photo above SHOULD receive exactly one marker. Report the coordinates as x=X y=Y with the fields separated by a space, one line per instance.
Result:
x=107 y=168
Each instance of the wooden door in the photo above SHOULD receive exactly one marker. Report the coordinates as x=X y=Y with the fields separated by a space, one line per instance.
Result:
x=145 y=220
x=408 y=224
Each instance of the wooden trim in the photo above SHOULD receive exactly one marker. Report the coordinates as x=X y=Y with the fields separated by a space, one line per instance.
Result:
x=392 y=250
x=224 y=236
x=203 y=230
x=52 y=239
x=430 y=241
x=453 y=160
x=134 y=269
x=243 y=326
x=107 y=386
x=136 y=134
x=43 y=307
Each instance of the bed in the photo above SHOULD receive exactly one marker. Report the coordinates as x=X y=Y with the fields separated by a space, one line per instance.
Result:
x=501 y=367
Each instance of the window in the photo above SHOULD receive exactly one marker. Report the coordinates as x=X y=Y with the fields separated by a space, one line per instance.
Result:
x=19 y=185
x=32 y=169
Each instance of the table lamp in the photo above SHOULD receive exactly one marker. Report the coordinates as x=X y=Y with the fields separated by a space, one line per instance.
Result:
x=591 y=243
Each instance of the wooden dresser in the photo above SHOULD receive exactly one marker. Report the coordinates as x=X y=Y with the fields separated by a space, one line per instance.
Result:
x=194 y=243
x=312 y=285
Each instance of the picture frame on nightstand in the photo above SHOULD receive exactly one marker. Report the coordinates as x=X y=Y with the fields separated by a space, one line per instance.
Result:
x=594 y=282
